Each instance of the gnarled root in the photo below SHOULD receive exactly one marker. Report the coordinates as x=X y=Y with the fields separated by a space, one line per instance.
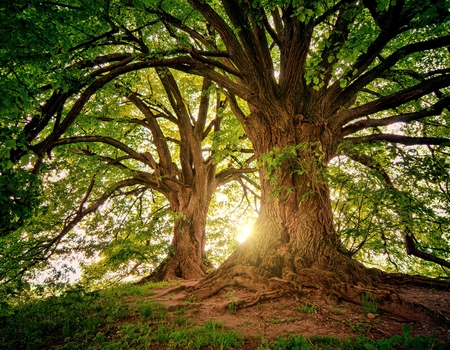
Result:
x=177 y=267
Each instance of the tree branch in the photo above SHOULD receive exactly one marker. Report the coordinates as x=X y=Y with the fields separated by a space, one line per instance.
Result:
x=229 y=175
x=348 y=93
x=411 y=249
x=436 y=109
x=409 y=239
x=405 y=140
x=393 y=100
x=107 y=140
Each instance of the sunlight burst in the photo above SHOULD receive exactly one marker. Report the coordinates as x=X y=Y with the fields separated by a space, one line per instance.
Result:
x=244 y=232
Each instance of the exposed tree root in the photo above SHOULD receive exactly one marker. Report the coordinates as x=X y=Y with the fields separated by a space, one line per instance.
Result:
x=421 y=281
x=243 y=303
x=329 y=284
x=243 y=276
x=177 y=267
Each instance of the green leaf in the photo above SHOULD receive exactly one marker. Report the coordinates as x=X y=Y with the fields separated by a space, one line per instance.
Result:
x=25 y=159
x=11 y=144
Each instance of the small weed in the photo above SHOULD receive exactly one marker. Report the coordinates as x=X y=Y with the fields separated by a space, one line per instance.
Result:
x=191 y=300
x=180 y=311
x=153 y=310
x=233 y=304
x=265 y=345
x=338 y=310
x=308 y=309
x=369 y=303
x=183 y=321
x=146 y=309
x=246 y=324
x=293 y=342
x=356 y=327
x=273 y=320
x=280 y=306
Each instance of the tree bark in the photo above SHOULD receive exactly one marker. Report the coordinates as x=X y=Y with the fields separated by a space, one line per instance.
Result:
x=293 y=241
x=186 y=259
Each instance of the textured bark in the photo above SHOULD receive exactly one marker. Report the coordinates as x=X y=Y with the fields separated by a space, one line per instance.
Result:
x=187 y=257
x=293 y=242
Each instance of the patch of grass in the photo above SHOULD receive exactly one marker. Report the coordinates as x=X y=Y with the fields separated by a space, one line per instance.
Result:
x=153 y=310
x=265 y=345
x=74 y=314
x=369 y=303
x=356 y=326
x=338 y=310
x=273 y=320
x=308 y=309
x=293 y=342
x=180 y=311
x=293 y=319
x=125 y=289
x=183 y=321
x=403 y=341
x=212 y=334
x=191 y=300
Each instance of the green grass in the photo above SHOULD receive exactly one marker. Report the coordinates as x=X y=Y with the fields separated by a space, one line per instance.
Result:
x=308 y=309
x=369 y=303
x=82 y=320
x=404 y=341
x=110 y=319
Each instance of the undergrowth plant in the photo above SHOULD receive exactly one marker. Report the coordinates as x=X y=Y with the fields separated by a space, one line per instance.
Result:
x=233 y=303
x=369 y=303
x=404 y=341
x=308 y=309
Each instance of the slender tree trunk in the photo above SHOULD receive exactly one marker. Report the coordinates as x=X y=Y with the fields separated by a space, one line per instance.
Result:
x=293 y=240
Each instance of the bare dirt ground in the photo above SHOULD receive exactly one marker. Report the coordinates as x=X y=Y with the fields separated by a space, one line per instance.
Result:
x=426 y=309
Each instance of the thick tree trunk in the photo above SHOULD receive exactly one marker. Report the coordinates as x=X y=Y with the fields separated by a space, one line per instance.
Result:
x=186 y=259
x=293 y=242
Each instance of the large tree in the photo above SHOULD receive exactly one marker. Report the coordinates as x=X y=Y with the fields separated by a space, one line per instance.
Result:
x=308 y=80
x=318 y=77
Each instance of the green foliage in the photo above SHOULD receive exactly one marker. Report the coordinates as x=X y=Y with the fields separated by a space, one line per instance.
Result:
x=299 y=342
x=304 y=159
x=369 y=303
x=35 y=321
x=353 y=55
x=357 y=326
x=233 y=303
x=19 y=189
x=73 y=315
x=371 y=216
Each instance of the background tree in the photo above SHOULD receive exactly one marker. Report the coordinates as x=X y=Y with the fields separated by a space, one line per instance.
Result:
x=181 y=168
